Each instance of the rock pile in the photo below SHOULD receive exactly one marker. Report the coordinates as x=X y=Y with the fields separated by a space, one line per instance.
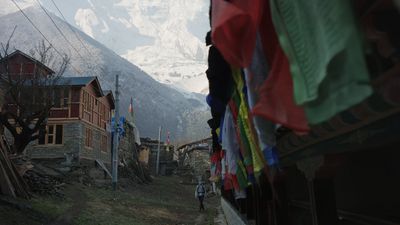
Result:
x=44 y=184
x=135 y=171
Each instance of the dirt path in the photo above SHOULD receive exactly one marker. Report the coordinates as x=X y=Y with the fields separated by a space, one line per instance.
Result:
x=212 y=215
x=200 y=219
x=79 y=199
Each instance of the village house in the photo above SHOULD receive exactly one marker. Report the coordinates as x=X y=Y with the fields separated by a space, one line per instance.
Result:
x=148 y=154
x=78 y=127
x=78 y=124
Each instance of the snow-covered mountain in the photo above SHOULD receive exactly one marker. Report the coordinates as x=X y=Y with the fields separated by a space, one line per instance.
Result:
x=154 y=103
x=165 y=38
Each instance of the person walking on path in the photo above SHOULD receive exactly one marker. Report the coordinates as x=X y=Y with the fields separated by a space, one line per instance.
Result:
x=200 y=193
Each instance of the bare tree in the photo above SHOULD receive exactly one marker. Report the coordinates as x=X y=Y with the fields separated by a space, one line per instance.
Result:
x=29 y=96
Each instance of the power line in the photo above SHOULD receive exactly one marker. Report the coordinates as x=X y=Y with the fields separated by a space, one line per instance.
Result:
x=59 y=30
x=33 y=24
x=76 y=35
x=69 y=25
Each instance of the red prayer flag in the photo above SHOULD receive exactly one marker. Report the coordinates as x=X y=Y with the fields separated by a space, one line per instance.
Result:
x=131 y=106
x=234 y=27
x=276 y=97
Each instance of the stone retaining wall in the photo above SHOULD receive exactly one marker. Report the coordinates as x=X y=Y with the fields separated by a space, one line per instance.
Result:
x=232 y=216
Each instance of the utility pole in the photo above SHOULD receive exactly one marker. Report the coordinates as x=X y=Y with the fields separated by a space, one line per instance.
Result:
x=116 y=134
x=158 y=152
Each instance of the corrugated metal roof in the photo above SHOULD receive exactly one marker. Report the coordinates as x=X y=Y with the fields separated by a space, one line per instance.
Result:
x=75 y=81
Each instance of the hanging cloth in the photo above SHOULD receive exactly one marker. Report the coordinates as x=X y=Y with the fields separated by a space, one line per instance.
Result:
x=326 y=59
x=241 y=175
x=243 y=146
x=229 y=142
x=244 y=163
x=255 y=75
x=234 y=25
x=276 y=101
x=244 y=123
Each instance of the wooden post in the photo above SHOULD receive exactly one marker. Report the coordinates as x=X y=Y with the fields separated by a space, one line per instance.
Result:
x=256 y=203
x=325 y=201
x=321 y=192
x=250 y=203
x=158 y=152
x=116 y=135
x=281 y=204
x=242 y=205
x=265 y=197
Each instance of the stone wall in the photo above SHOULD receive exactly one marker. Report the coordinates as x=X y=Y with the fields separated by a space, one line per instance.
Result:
x=73 y=144
x=232 y=216
x=199 y=160
x=72 y=140
x=127 y=147
x=95 y=152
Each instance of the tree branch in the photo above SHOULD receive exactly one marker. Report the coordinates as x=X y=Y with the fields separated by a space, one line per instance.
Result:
x=7 y=124
x=34 y=137
x=29 y=97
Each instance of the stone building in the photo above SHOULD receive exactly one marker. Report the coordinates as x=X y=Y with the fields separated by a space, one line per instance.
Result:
x=199 y=161
x=166 y=156
x=195 y=155
x=79 y=127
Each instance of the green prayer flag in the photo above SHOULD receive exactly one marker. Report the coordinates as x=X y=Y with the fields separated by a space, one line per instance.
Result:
x=325 y=53
x=241 y=175
x=246 y=134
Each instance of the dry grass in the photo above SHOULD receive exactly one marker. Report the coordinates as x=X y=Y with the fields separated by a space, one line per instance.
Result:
x=162 y=202
x=165 y=201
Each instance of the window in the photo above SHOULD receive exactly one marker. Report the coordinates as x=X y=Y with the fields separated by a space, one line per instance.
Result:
x=53 y=135
x=86 y=105
x=86 y=109
x=61 y=97
x=65 y=99
x=103 y=119
x=50 y=134
x=104 y=143
x=88 y=138
x=90 y=103
x=59 y=134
